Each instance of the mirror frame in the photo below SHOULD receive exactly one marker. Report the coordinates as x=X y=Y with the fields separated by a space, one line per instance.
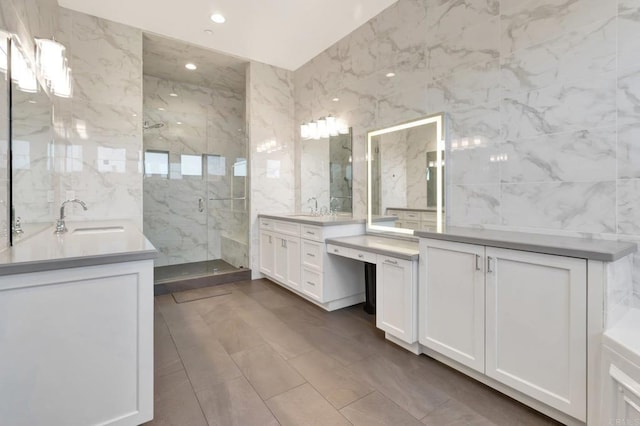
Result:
x=439 y=120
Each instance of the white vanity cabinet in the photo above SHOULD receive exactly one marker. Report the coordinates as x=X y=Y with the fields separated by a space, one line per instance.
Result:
x=517 y=317
x=293 y=255
x=396 y=296
x=452 y=301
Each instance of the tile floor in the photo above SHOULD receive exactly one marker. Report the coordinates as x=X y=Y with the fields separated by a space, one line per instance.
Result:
x=259 y=355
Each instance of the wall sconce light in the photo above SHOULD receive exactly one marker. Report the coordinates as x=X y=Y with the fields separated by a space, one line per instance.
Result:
x=52 y=66
x=323 y=128
x=21 y=72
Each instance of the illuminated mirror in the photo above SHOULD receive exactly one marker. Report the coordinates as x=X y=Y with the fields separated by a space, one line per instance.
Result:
x=406 y=176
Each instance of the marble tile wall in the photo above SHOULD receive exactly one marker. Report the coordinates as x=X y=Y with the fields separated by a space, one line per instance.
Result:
x=547 y=90
x=270 y=129
x=199 y=120
x=26 y=20
x=99 y=129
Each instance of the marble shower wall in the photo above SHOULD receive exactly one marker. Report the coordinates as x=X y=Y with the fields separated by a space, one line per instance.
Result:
x=542 y=97
x=270 y=129
x=98 y=131
x=200 y=120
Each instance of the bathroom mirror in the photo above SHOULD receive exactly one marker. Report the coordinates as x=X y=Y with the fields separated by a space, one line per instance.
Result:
x=326 y=173
x=31 y=146
x=406 y=175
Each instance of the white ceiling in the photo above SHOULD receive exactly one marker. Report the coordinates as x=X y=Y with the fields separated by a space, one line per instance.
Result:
x=285 y=33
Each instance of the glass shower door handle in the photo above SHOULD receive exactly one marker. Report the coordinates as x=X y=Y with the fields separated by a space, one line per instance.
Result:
x=201 y=204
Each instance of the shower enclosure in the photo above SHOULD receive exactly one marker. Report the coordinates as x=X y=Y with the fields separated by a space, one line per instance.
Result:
x=195 y=168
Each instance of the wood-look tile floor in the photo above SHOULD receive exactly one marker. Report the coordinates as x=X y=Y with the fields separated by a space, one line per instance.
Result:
x=259 y=355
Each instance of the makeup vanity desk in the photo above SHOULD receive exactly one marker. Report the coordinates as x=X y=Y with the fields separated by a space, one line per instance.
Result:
x=396 y=282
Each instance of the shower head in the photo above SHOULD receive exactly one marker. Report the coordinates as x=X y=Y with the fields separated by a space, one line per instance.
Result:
x=146 y=125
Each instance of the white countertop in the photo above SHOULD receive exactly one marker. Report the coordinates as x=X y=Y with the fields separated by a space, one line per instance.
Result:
x=45 y=250
x=328 y=220
x=395 y=247
x=585 y=248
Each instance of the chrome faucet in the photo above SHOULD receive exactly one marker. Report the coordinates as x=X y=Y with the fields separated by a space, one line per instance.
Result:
x=61 y=227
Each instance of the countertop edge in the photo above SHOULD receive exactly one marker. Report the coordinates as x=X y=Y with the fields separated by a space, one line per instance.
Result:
x=76 y=262
x=533 y=247
x=400 y=255
x=312 y=222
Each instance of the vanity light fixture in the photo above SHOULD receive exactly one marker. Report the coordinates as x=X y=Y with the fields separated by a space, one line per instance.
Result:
x=173 y=95
x=335 y=99
x=218 y=18
x=191 y=67
x=160 y=109
x=52 y=66
x=22 y=73
x=323 y=128
x=178 y=122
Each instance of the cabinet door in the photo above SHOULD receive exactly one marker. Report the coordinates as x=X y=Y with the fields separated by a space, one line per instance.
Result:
x=536 y=338
x=280 y=258
x=452 y=300
x=266 y=253
x=396 y=292
x=294 y=270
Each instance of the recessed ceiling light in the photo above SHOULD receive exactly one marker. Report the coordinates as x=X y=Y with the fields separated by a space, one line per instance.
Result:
x=391 y=74
x=32 y=102
x=208 y=32
x=218 y=18
x=191 y=66
x=160 y=109
x=135 y=115
x=178 y=122
x=335 y=99
x=173 y=95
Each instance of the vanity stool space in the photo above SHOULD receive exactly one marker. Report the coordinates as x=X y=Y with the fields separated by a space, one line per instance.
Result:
x=396 y=263
x=522 y=313
x=293 y=254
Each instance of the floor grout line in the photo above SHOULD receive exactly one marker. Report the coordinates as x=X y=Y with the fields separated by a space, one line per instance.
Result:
x=186 y=371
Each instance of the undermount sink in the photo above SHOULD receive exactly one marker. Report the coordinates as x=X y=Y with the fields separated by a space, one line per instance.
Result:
x=98 y=230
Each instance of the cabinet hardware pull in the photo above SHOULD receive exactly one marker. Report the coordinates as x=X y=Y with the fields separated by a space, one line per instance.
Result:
x=336 y=251
x=311 y=255
x=310 y=283
x=310 y=232
x=393 y=262
x=478 y=259
x=489 y=269
x=284 y=243
x=360 y=256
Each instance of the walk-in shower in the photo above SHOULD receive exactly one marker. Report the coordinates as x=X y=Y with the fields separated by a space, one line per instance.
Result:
x=195 y=164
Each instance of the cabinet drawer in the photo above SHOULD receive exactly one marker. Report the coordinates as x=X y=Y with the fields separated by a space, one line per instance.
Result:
x=289 y=228
x=411 y=224
x=412 y=216
x=312 y=232
x=403 y=263
x=312 y=253
x=363 y=256
x=312 y=283
x=426 y=216
x=266 y=224
x=339 y=250
x=396 y=213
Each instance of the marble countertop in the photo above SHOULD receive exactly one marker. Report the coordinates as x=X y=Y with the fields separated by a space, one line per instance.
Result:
x=45 y=251
x=308 y=219
x=586 y=248
x=400 y=248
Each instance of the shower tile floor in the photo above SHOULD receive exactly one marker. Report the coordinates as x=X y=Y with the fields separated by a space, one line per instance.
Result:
x=256 y=354
x=191 y=270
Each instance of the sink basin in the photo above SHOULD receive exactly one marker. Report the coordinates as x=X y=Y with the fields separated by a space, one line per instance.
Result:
x=98 y=230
